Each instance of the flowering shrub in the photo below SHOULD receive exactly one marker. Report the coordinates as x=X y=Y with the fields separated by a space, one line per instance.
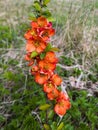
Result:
x=42 y=59
x=23 y=104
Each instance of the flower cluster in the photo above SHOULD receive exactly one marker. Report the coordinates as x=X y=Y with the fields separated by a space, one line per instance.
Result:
x=42 y=68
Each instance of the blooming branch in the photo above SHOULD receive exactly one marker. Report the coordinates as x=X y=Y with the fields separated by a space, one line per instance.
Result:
x=42 y=60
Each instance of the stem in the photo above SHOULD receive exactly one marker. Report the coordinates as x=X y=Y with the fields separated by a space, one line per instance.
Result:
x=41 y=2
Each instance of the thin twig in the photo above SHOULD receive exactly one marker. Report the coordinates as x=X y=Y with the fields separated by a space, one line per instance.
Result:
x=79 y=79
x=38 y=117
x=68 y=67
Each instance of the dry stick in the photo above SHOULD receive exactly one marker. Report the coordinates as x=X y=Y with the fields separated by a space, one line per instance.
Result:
x=41 y=2
x=79 y=79
x=38 y=117
x=67 y=67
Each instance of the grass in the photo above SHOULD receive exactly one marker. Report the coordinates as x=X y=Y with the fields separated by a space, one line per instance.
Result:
x=76 y=27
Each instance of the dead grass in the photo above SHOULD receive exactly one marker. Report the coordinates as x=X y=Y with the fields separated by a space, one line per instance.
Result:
x=78 y=36
x=13 y=12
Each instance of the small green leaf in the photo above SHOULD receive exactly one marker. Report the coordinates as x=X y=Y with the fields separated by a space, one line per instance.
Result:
x=32 y=16
x=46 y=13
x=34 y=54
x=50 y=114
x=47 y=127
x=60 y=127
x=2 y=118
x=37 y=6
x=51 y=19
x=42 y=55
x=44 y=107
x=59 y=88
x=54 y=126
x=46 y=2
x=55 y=49
x=48 y=48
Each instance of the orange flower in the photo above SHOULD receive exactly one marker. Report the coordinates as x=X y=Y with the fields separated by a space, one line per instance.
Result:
x=51 y=57
x=48 y=87
x=62 y=96
x=43 y=27
x=34 y=24
x=27 y=57
x=46 y=33
x=46 y=66
x=41 y=78
x=42 y=21
x=53 y=95
x=28 y=35
x=30 y=47
x=61 y=107
x=31 y=63
x=56 y=79
x=39 y=23
x=36 y=45
x=31 y=34
x=34 y=70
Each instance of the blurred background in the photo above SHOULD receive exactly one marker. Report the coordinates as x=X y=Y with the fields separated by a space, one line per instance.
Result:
x=76 y=24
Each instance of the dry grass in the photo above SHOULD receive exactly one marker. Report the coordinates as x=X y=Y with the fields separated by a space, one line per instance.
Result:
x=13 y=12
x=78 y=36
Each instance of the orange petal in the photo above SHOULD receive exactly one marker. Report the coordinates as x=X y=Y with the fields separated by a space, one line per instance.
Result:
x=30 y=47
x=31 y=63
x=42 y=21
x=56 y=79
x=48 y=87
x=39 y=49
x=53 y=95
x=45 y=66
x=43 y=45
x=59 y=110
x=62 y=96
x=51 y=57
x=41 y=78
x=34 y=70
x=28 y=35
x=27 y=57
x=51 y=32
x=34 y=24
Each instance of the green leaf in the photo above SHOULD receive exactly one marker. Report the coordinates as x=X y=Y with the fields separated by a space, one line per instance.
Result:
x=37 y=6
x=59 y=88
x=54 y=126
x=46 y=13
x=32 y=16
x=55 y=49
x=44 y=107
x=42 y=55
x=60 y=127
x=46 y=2
x=48 y=48
x=51 y=19
x=2 y=118
x=47 y=127
x=50 y=114
x=34 y=54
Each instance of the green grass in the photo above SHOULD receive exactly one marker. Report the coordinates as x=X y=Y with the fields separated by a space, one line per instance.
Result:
x=96 y=4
